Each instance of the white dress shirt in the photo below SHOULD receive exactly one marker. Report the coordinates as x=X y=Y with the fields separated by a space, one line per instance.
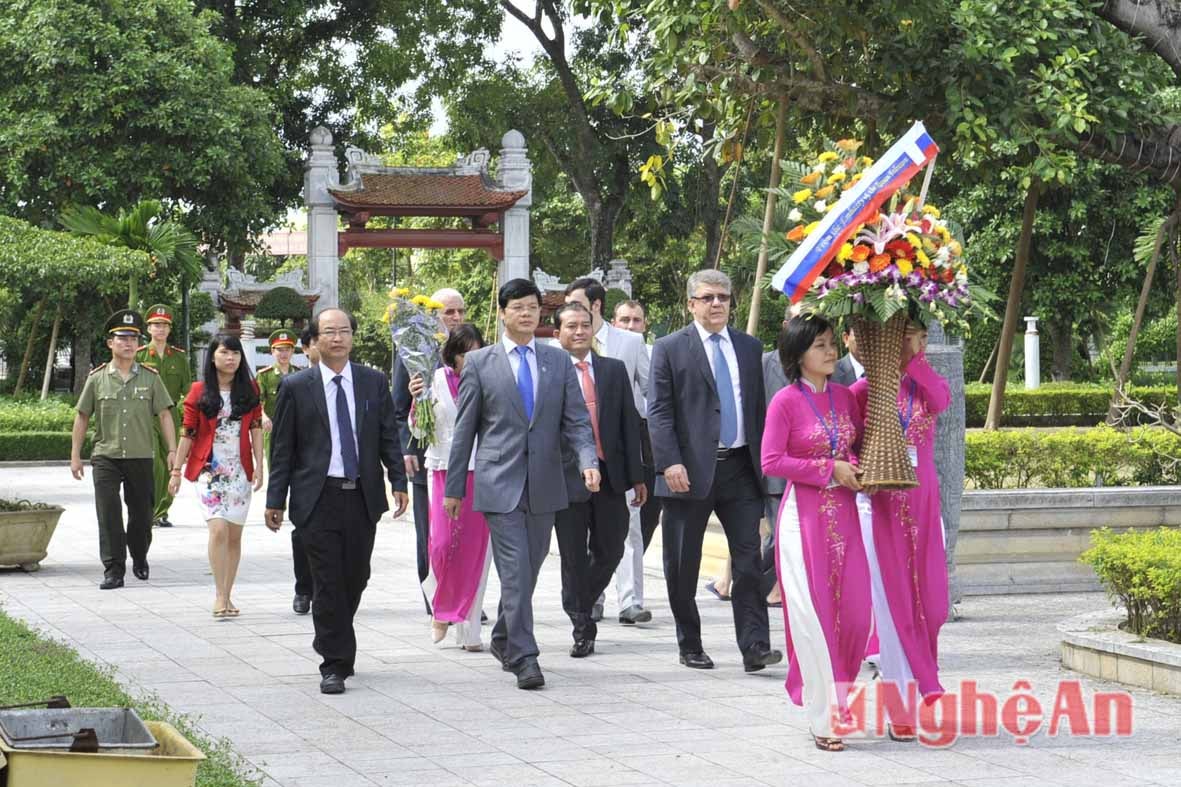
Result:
x=336 y=463
x=514 y=361
x=613 y=343
x=858 y=369
x=590 y=367
x=735 y=382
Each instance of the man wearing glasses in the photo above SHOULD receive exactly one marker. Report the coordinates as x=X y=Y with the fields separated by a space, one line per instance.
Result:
x=706 y=408
x=124 y=397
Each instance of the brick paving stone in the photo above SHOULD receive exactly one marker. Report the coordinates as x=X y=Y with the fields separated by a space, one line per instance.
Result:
x=416 y=714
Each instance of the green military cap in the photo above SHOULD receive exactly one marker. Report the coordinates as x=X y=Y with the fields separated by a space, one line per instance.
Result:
x=159 y=313
x=283 y=338
x=125 y=322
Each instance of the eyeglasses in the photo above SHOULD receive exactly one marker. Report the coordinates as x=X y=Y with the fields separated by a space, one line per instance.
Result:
x=331 y=333
x=717 y=297
x=518 y=308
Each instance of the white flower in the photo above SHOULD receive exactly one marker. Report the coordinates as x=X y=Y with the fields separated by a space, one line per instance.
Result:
x=861 y=268
x=942 y=256
x=821 y=167
x=820 y=206
x=795 y=215
x=840 y=168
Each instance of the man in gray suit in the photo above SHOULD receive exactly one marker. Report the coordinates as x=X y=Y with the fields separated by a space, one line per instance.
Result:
x=517 y=400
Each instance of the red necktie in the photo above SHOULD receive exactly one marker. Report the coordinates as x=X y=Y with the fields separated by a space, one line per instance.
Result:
x=588 y=393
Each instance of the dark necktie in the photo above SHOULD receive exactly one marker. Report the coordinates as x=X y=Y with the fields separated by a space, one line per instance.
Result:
x=344 y=424
x=525 y=381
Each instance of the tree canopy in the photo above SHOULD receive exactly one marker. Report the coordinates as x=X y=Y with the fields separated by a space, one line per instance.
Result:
x=39 y=263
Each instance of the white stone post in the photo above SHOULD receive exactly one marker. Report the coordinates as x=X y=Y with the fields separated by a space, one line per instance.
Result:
x=320 y=174
x=1033 y=358
x=516 y=173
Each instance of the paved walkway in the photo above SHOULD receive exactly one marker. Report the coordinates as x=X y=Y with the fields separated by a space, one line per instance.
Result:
x=419 y=715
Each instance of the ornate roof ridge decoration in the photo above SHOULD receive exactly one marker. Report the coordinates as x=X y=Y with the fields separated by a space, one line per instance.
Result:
x=617 y=277
x=242 y=287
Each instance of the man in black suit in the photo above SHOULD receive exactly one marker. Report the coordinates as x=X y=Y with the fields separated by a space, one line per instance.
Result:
x=333 y=430
x=706 y=409
x=849 y=370
x=592 y=531
x=453 y=313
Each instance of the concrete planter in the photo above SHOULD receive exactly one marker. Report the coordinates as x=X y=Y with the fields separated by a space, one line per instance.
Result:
x=24 y=536
x=1094 y=645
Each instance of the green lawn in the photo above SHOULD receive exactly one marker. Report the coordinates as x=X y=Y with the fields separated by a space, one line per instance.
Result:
x=34 y=668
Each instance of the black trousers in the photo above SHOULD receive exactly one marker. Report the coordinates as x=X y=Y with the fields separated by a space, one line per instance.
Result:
x=299 y=562
x=736 y=498
x=135 y=478
x=422 y=524
x=591 y=536
x=338 y=538
x=650 y=511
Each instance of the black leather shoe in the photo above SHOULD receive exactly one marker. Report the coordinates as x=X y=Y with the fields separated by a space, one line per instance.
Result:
x=301 y=604
x=582 y=648
x=141 y=570
x=498 y=654
x=332 y=684
x=760 y=657
x=634 y=614
x=110 y=583
x=163 y=522
x=483 y=616
x=529 y=675
x=697 y=660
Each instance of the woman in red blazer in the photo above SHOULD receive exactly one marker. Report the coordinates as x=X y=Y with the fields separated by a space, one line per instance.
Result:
x=221 y=452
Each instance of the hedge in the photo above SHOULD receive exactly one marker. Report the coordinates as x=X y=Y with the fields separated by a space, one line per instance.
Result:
x=1103 y=456
x=1143 y=571
x=1056 y=404
x=52 y=415
x=39 y=446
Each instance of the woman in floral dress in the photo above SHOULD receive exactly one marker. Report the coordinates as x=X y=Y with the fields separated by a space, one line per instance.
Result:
x=812 y=432
x=221 y=452
x=907 y=556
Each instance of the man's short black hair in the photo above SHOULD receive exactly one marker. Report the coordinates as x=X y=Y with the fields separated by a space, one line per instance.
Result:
x=593 y=289
x=305 y=338
x=567 y=307
x=315 y=326
x=514 y=289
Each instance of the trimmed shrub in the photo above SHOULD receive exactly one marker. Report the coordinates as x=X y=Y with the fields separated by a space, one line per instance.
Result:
x=1100 y=456
x=1056 y=404
x=1142 y=570
x=284 y=305
x=52 y=415
x=39 y=446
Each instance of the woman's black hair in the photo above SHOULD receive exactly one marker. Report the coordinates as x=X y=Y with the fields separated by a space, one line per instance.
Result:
x=796 y=338
x=243 y=397
x=462 y=339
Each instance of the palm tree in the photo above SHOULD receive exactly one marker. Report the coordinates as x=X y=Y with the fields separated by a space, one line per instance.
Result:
x=171 y=247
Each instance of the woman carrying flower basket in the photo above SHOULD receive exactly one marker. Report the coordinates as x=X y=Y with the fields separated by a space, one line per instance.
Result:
x=810 y=438
x=903 y=534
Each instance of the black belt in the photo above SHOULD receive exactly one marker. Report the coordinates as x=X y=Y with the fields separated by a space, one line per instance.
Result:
x=731 y=453
x=347 y=484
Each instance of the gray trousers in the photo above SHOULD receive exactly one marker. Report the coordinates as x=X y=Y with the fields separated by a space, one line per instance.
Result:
x=520 y=542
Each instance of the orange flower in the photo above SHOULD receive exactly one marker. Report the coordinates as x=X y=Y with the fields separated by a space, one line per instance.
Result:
x=825 y=192
x=879 y=262
x=796 y=233
x=811 y=178
x=860 y=253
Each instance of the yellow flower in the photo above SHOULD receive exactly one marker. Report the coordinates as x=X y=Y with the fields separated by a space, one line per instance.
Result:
x=845 y=252
x=956 y=248
x=386 y=317
x=433 y=304
x=932 y=211
x=401 y=292
x=808 y=230
x=904 y=265
x=962 y=270
x=828 y=156
x=440 y=337
x=801 y=195
x=866 y=161
x=913 y=240
x=924 y=260
x=420 y=300
x=836 y=177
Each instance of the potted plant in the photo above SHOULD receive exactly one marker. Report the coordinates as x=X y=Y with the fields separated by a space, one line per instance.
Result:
x=25 y=530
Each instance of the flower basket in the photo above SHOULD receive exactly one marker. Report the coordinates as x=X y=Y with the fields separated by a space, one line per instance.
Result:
x=883 y=447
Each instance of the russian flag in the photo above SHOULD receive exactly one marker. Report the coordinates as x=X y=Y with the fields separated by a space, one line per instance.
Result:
x=892 y=171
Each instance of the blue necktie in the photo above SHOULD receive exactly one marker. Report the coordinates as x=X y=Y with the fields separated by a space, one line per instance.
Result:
x=729 y=431
x=344 y=424
x=525 y=381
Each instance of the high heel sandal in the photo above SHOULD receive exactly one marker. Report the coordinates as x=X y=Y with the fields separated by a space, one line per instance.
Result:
x=439 y=630
x=828 y=744
x=903 y=733
x=232 y=611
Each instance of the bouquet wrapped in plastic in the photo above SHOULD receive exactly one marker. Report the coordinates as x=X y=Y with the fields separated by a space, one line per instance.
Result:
x=418 y=333
x=861 y=250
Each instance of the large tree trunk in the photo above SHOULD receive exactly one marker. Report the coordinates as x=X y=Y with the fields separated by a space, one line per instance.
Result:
x=1004 y=351
x=33 y=326
x=51 y=357
x=752 y=322
x=80 y=355
x=708 y=206
x=1062 y=337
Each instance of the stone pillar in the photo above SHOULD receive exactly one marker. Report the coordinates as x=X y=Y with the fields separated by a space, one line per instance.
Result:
x=320 y=174
x=516 y=173
x=1033 y=355
x=947 y=358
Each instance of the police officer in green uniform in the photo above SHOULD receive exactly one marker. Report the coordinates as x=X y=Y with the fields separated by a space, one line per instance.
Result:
x=126 y=400
x=173 y=365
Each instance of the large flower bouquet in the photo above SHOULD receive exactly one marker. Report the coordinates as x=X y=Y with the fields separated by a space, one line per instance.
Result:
x=899 y=263
x=418 y=332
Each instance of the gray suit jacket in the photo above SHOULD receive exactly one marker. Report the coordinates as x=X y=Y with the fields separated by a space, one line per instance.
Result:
x=845 y=374
x=774 y=380
x=629 y=347
x=513 y=451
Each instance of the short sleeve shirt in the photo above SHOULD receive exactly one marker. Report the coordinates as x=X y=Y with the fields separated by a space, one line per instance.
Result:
x=124 y=412
x=173 y=367
x=268 y=387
